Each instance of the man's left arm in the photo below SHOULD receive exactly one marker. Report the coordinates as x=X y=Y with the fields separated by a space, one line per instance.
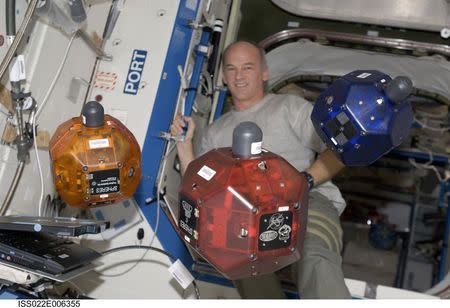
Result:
x=327 y=164
x=325 y=167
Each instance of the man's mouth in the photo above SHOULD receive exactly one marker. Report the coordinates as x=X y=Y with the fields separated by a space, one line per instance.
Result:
x=240 y=84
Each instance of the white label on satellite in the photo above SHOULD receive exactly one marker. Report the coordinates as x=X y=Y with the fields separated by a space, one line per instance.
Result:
x=364 y=75
x=98 y=143
x=206 y=173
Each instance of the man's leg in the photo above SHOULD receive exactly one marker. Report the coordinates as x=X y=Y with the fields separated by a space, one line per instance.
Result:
x=260 y=287
x=319 y=271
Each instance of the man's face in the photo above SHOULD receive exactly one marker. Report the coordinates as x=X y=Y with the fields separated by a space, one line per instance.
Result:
x=244 y=75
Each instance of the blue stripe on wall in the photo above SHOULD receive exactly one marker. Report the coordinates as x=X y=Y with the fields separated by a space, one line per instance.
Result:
x=160 y=120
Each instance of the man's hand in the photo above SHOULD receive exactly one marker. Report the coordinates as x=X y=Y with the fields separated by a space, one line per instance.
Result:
x=325 y=167
x=178 y=127
x=185 y=148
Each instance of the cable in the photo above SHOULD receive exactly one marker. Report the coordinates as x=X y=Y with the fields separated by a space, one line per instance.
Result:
x=38 y=162
x=35 y=115
x=158 y=198
x=428 y=165
x=77 y=288
x=19 y=36
x=116 y=249
x=58 y=73
x=206 y=82
x=434 y=129
x=8 y=115
x=158 y=213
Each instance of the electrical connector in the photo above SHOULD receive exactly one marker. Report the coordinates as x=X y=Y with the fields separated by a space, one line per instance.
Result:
x=140 y=234
x=169 y=136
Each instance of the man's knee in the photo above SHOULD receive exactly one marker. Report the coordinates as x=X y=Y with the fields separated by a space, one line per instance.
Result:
x=323 y=227
x=319 y=270
x=319 y=274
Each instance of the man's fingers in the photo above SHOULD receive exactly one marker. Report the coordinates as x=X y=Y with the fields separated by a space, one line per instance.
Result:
x=177 y=125
x=175 y=129
x=189 y=121
x=190 y=127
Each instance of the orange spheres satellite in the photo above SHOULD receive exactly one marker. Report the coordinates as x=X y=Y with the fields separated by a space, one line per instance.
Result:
x=96 y=159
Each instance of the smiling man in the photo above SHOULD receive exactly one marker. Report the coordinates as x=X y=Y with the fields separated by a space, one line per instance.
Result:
x=245 y=72
x=289 y=132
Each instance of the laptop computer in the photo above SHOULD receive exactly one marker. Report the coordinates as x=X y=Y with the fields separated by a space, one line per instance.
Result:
x=62 y=226
x=42 y=252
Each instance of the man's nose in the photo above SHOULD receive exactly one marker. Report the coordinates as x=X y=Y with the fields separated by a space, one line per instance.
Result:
x=239 y=73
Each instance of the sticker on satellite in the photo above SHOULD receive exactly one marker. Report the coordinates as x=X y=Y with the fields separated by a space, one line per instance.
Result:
x=135 y=72
x=275 y=230
x=188 y=218
x=364 y=75
x=104 y=182
x=206 y=173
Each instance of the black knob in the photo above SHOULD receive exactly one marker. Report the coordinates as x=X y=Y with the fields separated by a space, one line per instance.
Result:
x=399 y=88
x=247 y=139
x=93 y=114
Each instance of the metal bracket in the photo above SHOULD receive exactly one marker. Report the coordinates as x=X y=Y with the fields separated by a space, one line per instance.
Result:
x=168 y=136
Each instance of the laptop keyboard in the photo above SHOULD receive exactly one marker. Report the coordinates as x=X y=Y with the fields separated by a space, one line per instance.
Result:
x=43 y=252
x=29 y=241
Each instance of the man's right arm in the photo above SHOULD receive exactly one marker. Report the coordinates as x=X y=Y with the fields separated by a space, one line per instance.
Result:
x=185 y=148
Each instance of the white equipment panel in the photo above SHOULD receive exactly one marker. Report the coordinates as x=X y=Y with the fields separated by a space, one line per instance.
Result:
x=138 y=44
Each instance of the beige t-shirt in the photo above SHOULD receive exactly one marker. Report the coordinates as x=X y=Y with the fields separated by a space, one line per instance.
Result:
x=287 y=131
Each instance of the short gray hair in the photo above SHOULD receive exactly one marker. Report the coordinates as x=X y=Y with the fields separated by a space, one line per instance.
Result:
x=262 y=52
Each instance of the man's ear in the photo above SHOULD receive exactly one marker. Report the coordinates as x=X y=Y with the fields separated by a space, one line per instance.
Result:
x=265 y=74
x=224 y=79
